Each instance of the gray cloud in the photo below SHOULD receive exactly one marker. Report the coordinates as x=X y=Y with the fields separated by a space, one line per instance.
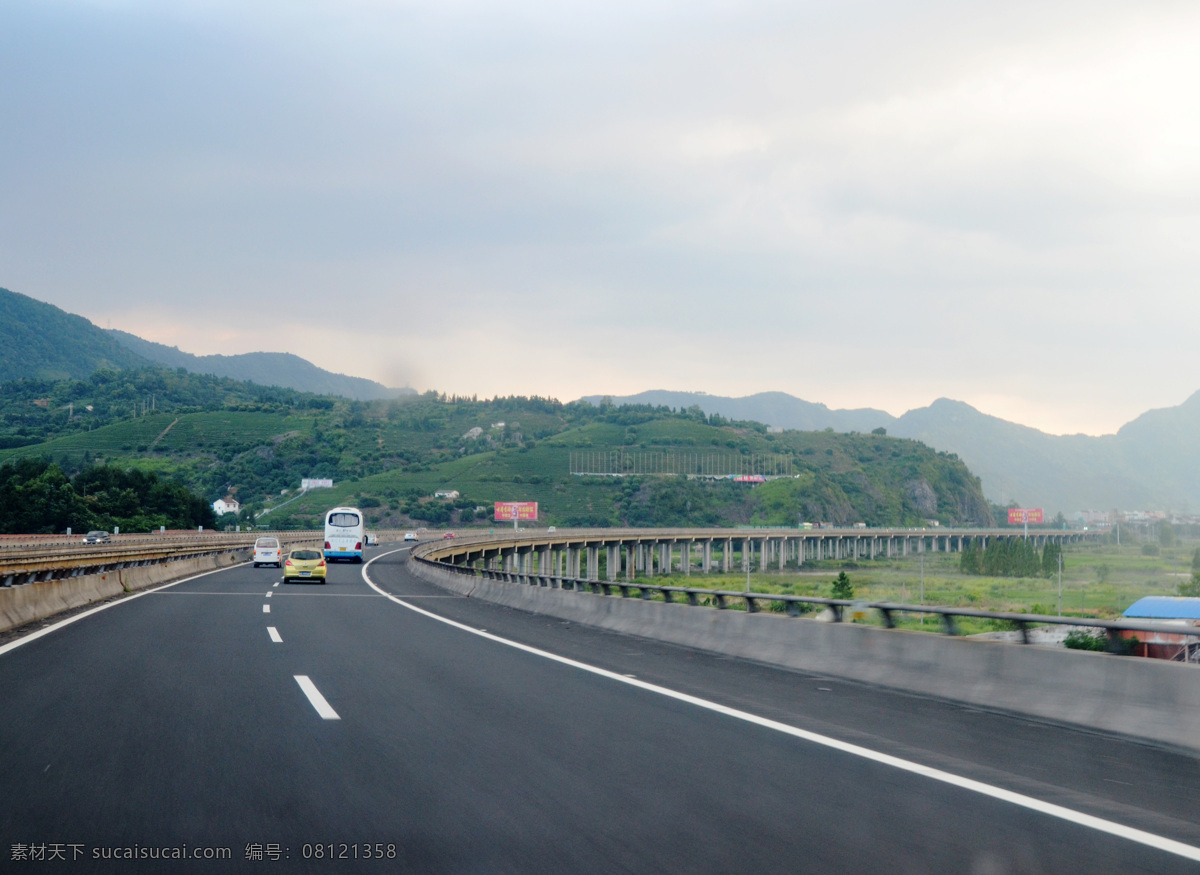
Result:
x=858 y=203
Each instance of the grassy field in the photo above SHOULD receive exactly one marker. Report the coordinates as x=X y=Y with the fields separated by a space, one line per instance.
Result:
x=1099 y=581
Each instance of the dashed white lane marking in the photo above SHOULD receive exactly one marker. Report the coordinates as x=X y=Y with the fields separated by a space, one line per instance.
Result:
x=274 y=633
x=315 y=697
x=269 y=594
x=266 y=609
x=1161 y=843
x=276 y=583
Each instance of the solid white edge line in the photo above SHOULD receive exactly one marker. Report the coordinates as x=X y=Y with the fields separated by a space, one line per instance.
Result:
x=1099 y=824
x=33 y=636
x=315 y=697
x=274 y=633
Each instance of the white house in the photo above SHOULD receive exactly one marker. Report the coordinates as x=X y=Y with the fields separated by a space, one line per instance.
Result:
x=228 y=504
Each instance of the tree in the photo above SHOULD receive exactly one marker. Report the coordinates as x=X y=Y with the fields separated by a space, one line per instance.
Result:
x=842 y=588
x=1051 y=556
x=971 y=558
x=1191 y=589
x=1166 y=534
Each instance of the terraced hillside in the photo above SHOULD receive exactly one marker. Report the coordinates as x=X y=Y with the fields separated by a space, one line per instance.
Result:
x=646 y=466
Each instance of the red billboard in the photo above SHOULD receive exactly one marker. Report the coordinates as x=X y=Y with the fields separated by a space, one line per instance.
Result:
x=1020 y=515
x=515 y=510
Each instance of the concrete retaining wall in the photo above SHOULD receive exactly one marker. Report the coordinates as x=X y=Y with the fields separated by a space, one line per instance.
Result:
x=1145 y=698
x=36 y=601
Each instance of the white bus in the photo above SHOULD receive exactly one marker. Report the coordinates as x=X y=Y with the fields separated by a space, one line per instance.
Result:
x=344 y=534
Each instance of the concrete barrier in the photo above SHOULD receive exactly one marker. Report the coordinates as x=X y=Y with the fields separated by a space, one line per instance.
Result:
x=37 y=601
x=1145 y=698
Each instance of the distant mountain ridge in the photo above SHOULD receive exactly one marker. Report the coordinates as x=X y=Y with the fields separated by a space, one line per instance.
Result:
x=264 y=368
x=1152 y=462
x=771 y=408
x=41 y=341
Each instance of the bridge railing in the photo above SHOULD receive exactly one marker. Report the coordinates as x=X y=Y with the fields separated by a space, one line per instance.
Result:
x=797 y=606
x=33 y=562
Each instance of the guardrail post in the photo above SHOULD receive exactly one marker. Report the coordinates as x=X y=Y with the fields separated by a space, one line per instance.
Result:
x=793 y=609
x=692 y=599
x=668 y=596
x=948 y=625
x=645 y=593
x=1023 y=628
x=751 y=604
x=888 y=621
x=720 y=599
x=837 y=613
x=624 y=591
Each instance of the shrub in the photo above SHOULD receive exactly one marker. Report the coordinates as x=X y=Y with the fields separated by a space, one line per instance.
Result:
x=842 y=588
x=1085 y=639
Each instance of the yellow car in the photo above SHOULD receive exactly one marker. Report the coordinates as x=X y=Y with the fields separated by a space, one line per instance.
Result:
x=303 y=565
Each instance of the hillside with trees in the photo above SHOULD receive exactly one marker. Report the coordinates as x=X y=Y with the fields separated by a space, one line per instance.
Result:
x=37 y=497
x=39 y=340
x=219 y=436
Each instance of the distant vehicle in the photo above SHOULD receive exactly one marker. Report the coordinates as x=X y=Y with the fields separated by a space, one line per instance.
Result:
x=268 y=552
x=552 y=530
x=372 y=539
x=344 y=534
x=447 y=536
x=304 y=565
x=97 y=538
x=410 y=536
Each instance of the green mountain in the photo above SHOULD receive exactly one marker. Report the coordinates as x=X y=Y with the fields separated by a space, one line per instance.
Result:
x=264 y=368
x=389 y=457
x=40 y=340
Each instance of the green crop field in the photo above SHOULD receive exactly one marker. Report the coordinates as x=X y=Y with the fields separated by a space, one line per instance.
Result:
x=1099 y=581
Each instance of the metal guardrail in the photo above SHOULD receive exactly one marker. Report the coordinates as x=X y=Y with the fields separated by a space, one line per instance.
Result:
x=29 y=558
x=39 y=562
x=794 y=606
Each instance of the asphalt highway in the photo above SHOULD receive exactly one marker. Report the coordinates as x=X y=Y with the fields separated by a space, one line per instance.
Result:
x=302 y=727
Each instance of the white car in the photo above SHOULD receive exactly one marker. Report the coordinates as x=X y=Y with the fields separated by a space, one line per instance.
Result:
x=268 y=552
x=410 y=536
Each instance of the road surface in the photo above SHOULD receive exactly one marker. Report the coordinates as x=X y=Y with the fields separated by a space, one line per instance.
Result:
x=278 y=726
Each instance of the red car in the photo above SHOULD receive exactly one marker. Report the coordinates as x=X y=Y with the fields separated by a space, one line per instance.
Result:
x=447 y=536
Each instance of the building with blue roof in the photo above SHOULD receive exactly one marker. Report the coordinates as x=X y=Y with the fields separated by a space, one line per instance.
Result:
x=1161 y=607
x=1173 y=610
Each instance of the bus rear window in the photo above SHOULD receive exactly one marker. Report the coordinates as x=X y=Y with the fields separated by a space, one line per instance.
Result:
x=343 y=520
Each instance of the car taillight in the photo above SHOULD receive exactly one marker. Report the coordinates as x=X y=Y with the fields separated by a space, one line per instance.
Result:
x=321 y=564
x=326 y=545
x=358 y=545
x=288 y=562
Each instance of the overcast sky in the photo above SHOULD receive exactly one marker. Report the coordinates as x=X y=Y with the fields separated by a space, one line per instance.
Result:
x=861 y=203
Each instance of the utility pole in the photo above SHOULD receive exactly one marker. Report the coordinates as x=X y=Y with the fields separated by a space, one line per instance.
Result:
x=922 y=586
x=1060 y=580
